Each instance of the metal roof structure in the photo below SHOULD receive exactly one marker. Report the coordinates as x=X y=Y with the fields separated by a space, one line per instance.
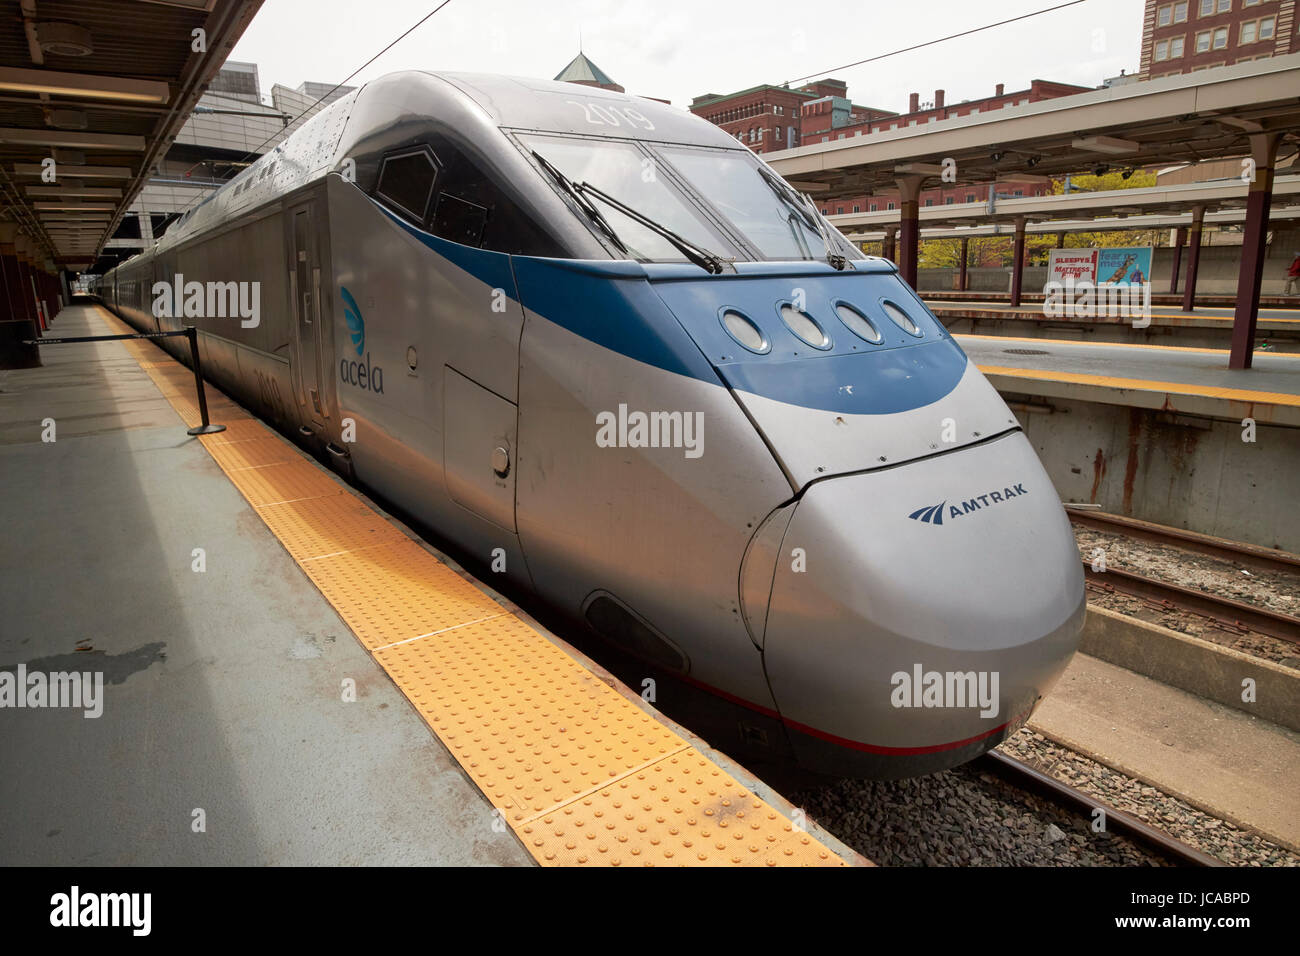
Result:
x=1176 y=119
x=92 y=93
x=1169 y=220
x=1112 y=204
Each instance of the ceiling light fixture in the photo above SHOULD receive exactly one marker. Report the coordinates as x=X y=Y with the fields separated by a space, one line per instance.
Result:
x=83 y=85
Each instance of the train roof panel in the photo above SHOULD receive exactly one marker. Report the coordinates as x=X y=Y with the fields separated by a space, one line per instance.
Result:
x=525 y=103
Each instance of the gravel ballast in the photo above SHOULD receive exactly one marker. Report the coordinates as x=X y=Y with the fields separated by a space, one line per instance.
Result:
x=969 y=817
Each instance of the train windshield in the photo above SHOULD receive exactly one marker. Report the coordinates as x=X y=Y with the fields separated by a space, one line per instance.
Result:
x=757 y=202
x=625 y=172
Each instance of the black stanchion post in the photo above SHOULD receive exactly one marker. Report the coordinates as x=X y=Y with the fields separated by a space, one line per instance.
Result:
x=206 y=428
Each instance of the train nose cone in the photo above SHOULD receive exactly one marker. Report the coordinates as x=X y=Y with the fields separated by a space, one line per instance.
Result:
x=926 y=611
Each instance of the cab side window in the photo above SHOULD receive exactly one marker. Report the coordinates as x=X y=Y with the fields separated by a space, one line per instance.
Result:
x=406 y=181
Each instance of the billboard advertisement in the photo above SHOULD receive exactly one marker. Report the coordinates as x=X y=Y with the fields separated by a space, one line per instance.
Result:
x=1117 y=265
x=1124 y=265
x=1077 y=264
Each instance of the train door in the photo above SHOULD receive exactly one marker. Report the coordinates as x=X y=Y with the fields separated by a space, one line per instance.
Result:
x=304 y=287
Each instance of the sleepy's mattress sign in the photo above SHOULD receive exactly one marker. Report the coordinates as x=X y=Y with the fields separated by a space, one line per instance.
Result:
x=1077 y=264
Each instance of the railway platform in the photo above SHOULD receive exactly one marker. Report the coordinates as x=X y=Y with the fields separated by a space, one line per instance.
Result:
x=1205 y=301
x=276 y=671
x=1169 y=378
x=1277 y=330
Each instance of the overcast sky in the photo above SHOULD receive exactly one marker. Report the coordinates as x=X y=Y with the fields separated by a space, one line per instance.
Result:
x=679 y=49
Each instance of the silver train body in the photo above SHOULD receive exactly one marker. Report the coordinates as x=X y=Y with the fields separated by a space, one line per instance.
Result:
x=837 y=528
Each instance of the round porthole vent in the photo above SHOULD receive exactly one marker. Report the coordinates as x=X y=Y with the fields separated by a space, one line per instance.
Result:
x=857 y=323
x=901 y=318
x=804 y=326
x=745 y=331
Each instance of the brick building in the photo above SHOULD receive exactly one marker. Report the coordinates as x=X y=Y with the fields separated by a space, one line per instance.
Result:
x=764 y=118
x=918 y=113
x=1181 y=36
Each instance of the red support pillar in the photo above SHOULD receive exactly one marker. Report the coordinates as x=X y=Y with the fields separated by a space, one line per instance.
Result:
x=1018 y=262
x=1254 y=244
x=25 y=284
x=1179 y=241
x=16 y=315
x=965 y=259
x=909 y=226
x=889 y=249
x=52 y=294
x=9 y=264
x=49 y=303
x=1193 y=257
x=6 y=296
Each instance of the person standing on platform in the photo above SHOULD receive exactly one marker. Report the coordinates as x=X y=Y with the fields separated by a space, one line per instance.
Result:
x=1293 y=275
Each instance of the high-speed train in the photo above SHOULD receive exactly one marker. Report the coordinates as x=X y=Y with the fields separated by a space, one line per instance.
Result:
x=595 y=338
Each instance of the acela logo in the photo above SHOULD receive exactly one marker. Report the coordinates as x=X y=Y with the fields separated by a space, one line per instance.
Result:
x=356 y=324
x=361 y=374
x=934 y=514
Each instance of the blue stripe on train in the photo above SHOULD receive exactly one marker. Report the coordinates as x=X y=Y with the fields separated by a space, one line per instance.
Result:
x=673 y=325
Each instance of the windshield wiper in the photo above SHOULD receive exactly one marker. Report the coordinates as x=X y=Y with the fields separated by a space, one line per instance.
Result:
x=807 y=210
x=835 y=259
x=706 y=260
x=585 y=204
x=787 y=196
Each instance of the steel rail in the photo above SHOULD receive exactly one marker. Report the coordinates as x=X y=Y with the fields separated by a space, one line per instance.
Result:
x=1117 y=822
x=1239 y=552
x=1226 y=613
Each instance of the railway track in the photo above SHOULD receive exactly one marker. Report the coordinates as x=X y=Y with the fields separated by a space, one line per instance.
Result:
x=1251 y=555
x=1024 y=777
x=1223 y=613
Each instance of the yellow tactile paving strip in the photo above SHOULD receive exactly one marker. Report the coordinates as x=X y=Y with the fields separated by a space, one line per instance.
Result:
x=1146 y=385
x=581 y=774
x=1044 y=340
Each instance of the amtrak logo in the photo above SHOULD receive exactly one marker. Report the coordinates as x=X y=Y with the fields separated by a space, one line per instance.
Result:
x=934 y=514
x=356 y=324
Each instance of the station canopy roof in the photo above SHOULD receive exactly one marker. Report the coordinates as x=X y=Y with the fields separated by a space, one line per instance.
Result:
x=1208 y=114
x=1171 y=204
x=1220 y=218
x=101 y=87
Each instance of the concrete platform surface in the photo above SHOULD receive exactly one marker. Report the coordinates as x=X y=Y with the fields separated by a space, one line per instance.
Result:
x=1204 y=369
x=1270 y=318
x=1237 y=767
x=223 y=689
x=274 y=669
x=1192 y=380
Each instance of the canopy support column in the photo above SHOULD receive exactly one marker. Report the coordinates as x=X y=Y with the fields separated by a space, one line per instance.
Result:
x=1254 y=243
